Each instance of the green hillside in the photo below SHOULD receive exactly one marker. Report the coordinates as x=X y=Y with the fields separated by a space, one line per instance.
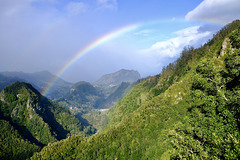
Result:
x=189 y=111
x=32 y=118
x=82 y=96
x=13 y=145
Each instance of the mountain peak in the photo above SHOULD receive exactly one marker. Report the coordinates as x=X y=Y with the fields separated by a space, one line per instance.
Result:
x=19 y=88
x=118 y=77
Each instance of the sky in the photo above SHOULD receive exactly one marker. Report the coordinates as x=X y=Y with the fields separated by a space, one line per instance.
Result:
x=37 y=35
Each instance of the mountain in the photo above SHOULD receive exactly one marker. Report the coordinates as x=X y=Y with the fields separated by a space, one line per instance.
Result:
x=85 y=96
x=188 y=111
x=40 y=80
x=82 y=95
x=84 y=101
x=33 y=119
x=117 y=78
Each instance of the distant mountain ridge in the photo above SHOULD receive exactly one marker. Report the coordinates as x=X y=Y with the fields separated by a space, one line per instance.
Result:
x=117 y=78
x=40 y=80
x=61 y=88
x=85 y=96
x=103 y=93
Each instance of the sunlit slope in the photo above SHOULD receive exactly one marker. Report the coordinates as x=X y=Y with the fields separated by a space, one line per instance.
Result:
x=190 y=110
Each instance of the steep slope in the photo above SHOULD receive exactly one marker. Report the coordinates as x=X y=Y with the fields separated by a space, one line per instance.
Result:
x=189 y=111
x=40 y=80
x=13 y=145
x=117 y=78
x=34 y=117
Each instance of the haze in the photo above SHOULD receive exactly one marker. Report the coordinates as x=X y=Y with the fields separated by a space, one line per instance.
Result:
x=41 y=35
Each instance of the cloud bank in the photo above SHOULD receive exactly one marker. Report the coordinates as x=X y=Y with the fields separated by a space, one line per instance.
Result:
x=220 y=11
x=172 y=47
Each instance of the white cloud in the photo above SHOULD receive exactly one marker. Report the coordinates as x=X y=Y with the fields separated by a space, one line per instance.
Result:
x=222 y=11
x=107 y=4
x=75 y=8
x=173 y=47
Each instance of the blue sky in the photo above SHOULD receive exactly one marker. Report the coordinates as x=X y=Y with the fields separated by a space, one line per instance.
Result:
x=41 y=35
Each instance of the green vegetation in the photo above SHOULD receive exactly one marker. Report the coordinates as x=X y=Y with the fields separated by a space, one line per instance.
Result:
x=12 y=145
x=82 y=96
x=38 y=120
x=212 y=128
x=98 y=119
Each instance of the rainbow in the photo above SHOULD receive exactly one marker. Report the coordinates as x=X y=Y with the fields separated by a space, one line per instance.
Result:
x=87 y=49
x=108 y=37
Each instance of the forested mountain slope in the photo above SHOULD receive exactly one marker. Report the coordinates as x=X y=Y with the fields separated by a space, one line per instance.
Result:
x=31 y=120
x=13 y=145
x=189 y=111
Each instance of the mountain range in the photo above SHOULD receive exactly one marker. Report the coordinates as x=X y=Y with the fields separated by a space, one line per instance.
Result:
x=60 y=89
x=40 y=80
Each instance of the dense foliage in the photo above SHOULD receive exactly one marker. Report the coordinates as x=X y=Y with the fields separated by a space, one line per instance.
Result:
x=12 y=145
x=34 y=117
x=212 y=131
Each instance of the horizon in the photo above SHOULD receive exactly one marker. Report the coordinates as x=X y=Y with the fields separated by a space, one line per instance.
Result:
x=83 y=40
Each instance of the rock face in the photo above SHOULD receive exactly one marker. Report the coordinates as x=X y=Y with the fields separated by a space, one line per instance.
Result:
x=117 y=78
x=224 y=46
